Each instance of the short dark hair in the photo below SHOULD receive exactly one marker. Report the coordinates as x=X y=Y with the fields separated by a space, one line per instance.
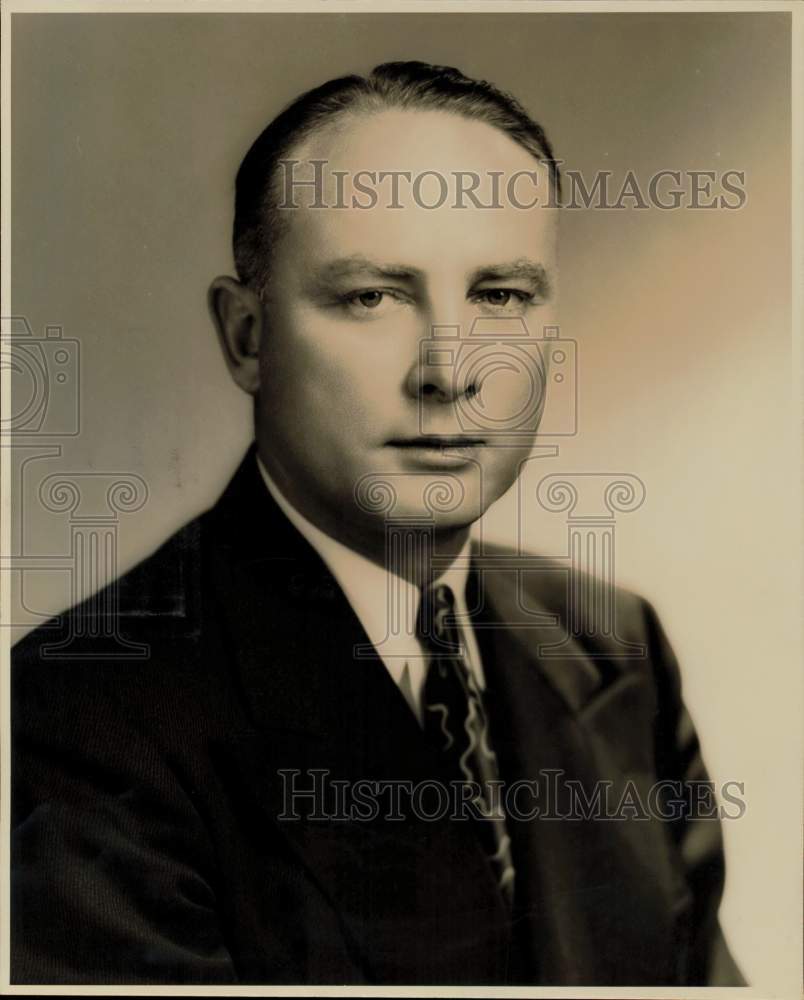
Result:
x=390 y=85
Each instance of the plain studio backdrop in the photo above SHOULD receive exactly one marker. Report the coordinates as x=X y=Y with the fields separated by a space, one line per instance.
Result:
x=127 y=130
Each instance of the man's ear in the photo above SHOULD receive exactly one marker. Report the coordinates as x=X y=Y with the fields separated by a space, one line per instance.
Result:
x=237 y=313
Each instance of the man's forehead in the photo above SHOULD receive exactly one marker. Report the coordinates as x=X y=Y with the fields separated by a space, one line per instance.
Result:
x=462 y=195
x=413 y=138
x=338 y=245
x=410 y=238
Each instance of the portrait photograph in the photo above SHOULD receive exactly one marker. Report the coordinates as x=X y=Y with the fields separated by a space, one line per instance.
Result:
x=400 y=456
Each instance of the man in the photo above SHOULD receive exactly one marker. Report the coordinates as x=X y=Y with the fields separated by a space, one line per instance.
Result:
x=245 y=805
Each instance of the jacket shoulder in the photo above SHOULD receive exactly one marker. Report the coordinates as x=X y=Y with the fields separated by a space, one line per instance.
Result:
x=161 y=586
x=138 y=634
x=576 y=597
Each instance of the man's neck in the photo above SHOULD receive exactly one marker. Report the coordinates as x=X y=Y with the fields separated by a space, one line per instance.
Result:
x=418 y=561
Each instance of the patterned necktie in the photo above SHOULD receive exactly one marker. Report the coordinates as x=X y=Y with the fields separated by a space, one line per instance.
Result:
x=455 y=720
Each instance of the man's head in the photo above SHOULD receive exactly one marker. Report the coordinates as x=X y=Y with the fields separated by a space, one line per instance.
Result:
x=400 y=85
x=381 y=306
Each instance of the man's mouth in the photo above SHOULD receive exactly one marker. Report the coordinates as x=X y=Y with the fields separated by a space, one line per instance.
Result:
x=438 y=442
x=439 y=453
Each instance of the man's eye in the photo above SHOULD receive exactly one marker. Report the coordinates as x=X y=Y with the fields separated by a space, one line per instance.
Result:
x=370 y=299
x=502 y=297
x=367 y=298
x=371 y=303
x=498 y=296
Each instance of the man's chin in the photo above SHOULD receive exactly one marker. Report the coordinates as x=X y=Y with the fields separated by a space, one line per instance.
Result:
x=445 y=500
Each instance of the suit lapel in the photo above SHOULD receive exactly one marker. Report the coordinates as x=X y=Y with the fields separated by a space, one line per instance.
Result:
x=594 y=897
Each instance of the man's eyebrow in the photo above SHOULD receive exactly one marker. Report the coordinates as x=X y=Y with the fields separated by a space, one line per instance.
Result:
x=345 y=267
x=522 y=269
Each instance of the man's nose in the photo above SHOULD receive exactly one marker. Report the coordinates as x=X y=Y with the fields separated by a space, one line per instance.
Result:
x=437 y=375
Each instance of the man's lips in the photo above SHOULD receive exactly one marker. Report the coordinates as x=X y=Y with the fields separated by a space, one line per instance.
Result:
x=438 y=452
x=437 y=442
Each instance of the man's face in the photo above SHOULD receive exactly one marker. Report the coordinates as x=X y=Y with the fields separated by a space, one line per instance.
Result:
x=360 y=415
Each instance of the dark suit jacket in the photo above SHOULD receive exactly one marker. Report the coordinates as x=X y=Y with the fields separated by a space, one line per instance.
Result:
x=147 y=843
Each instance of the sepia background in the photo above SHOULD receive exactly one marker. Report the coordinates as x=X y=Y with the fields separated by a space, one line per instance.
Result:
x=127 y=131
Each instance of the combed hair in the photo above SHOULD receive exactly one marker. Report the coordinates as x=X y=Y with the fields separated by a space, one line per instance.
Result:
x=403 y=85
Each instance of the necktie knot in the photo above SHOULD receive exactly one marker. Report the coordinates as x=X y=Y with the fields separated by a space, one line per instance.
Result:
x=436 y=625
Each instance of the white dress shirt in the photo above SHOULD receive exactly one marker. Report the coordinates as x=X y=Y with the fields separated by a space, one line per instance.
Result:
x=387 y=605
